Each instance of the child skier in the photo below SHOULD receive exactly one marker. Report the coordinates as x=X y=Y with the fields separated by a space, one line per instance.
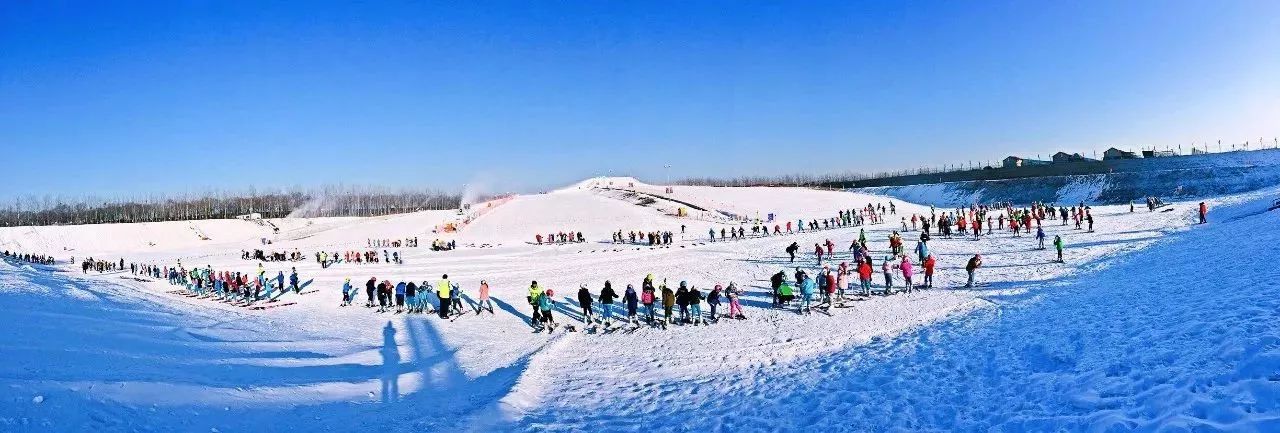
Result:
x=607 y=296
x=713 y=300
x=929 y=263
x=735 y=308
x=484 y=302
x=695 y=305
x=907 y=272
x=631 y=299
x=584 y=301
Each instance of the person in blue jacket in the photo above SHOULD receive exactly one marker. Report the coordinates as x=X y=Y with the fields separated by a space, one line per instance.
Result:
x=807 y=290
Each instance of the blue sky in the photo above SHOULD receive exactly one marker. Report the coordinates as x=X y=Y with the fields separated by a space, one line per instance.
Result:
x=120 y=98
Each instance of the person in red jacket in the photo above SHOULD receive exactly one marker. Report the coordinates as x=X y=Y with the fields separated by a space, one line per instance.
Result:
x=929 y=263
x=864 y=276
x=1203 y=211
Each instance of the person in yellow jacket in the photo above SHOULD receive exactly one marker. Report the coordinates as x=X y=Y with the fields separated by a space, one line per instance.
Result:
x=442 y=290
x=535 y=292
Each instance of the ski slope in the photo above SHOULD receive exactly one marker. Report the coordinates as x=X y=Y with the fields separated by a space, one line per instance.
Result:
x=148 y=360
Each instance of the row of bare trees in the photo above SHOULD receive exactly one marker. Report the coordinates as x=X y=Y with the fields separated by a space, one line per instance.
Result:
x=810 y=179
x=319 y=202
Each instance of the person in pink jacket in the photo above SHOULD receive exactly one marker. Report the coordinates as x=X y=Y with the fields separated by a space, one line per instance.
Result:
x=735 y=308
x=484 y=303
x=907 y=271
x=842 y=274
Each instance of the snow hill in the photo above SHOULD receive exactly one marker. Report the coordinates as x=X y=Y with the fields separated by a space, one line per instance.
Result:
x=1174 y=178
x=1116 y=338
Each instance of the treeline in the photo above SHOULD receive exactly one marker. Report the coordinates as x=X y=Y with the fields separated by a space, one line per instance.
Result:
x=815 y=180
x=322 y=202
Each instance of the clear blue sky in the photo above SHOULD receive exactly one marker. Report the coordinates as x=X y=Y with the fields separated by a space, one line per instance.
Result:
x=170 y=96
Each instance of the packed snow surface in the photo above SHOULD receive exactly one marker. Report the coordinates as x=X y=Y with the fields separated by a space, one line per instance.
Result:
x=1151 y=324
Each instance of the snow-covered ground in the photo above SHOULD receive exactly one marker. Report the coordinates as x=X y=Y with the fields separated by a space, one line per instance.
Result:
x=1097 y=343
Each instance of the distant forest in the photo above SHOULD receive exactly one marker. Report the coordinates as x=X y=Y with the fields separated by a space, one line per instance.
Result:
x=321 y=202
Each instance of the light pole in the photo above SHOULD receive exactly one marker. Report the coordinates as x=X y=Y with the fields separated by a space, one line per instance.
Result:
x=668 y=170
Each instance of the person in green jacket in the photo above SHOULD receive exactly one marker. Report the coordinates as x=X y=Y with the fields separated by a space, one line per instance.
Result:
x=1057 y=244
x=785 y=292
x=443 y=291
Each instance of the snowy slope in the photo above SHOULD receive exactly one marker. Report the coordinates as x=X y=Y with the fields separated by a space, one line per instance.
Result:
x=154 y=361
x=1146 y=343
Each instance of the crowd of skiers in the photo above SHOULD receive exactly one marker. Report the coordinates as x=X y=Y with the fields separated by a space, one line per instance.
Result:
x=100 y=266
x=964 y=222
x=392 y=243
x=660 y=237
x=560 y=238
x=39 y=259
x=276 y=256
x=654 y=304
x=231 y=287
x=327 y=259
x=444 y=298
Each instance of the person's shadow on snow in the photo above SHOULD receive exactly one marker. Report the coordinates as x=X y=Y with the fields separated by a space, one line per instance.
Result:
x=390 y=365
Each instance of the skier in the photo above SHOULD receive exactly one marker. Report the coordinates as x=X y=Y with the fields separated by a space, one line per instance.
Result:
x=1057 y=245
x=929 y=263
x=293 y=280
x=484 y=302
x=817 y=250
x=682 y=299
x=922 y=250
x=775 y=283
x=907 y=273
x=535 y=293
x=713 y=301
x=842 y=279
x=443 y=289
x=544 y=303
x=807 y=292
x=791 y=250
x=974 y=263
x=346 y=292
x=400 y=292
x=735 y=308
x=695 y=305
x=411 y=297
x=1040 y=236
x=455 y=294
x=888 y=267
x=607 y=296
x=584 y=301
x=668 y=302
x=864 y=276
x=647 y=297
x=785 y=292
x=630 y=298
x=1204 y=211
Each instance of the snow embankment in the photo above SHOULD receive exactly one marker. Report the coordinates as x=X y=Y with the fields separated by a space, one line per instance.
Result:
x=1182 y=182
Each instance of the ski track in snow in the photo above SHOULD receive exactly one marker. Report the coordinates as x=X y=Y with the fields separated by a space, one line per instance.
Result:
x=146 y=360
